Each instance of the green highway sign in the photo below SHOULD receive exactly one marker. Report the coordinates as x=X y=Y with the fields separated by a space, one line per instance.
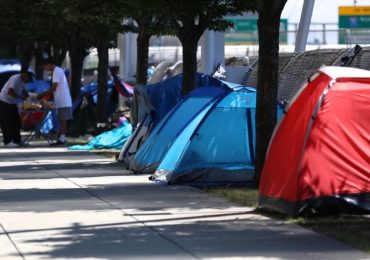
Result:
x=245 y=31
x=355 y=24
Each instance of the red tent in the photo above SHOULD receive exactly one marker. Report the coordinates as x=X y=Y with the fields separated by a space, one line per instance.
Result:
x=319 y=155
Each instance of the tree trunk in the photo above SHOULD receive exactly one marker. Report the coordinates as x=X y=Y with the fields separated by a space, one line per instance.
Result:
x=189 y=57
x=102 y=83
x=57 y=52
x=39 y=70
x=269 y=13
x=25 y=55
x=77 y=55
x=142 y=58
x=60 y=55
x=76 y=71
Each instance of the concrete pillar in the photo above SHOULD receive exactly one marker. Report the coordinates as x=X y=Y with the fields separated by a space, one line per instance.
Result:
x=213 y=50
x=127 y=61
x=219 y=48
x=304 y=26
x=127 y=64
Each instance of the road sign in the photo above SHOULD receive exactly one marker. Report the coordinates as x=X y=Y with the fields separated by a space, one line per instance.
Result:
x=355 y=22
x=245 y=31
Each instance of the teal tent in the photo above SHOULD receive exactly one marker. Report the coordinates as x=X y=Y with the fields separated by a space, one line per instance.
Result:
x=151 y=104
x=209 y=137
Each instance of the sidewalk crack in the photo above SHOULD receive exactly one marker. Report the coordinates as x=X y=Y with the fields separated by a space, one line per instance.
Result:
x=12 y=241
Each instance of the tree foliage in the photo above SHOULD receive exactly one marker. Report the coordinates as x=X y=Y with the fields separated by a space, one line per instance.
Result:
x=17 y=29
x=146 y=19
x=103 y=22
x=191 y=18
x=54 y=26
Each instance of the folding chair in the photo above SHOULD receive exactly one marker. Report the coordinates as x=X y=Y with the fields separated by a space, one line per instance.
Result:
x=35 y=124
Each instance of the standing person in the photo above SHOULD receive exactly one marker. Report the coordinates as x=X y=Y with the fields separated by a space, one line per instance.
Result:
x=62 y=97
x=13 y=92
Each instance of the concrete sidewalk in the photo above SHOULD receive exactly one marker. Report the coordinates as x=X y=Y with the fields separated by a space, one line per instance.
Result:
x=57 y=204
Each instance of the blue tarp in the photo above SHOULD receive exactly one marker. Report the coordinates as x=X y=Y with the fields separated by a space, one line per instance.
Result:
x=38 y=86
x=92 y=89
x=114 y=139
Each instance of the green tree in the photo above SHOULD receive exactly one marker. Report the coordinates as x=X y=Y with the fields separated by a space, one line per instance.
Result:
x=29 y=29
x=145 y=19
x=75 y=19
x=17 y=35
x=191 y=18
x=50 y=34
x=269 y=13
x=105 y=22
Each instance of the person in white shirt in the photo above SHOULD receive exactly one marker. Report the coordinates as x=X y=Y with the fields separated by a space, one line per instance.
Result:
x=13 y=92
x=62 y=97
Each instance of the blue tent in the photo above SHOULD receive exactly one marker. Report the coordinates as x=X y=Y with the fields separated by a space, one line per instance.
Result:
x=166 y=94
x=153 y=102
x=152 y=150
x=207 y=138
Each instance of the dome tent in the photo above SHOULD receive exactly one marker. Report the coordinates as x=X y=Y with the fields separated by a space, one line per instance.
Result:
x=152 y=103
x=319 y=155
x=153 y=149
x=217 y=146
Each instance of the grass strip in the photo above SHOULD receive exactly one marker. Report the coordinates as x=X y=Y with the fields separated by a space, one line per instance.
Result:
x=353 y=230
